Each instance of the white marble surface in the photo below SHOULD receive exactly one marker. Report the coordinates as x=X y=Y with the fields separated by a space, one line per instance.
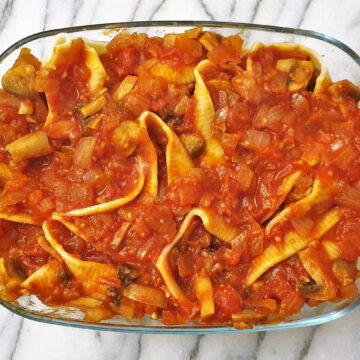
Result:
x=22 y=339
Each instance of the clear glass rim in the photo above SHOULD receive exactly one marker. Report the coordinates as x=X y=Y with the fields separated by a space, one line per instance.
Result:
x=136 y=24
x=316 y=320
x=198 y=330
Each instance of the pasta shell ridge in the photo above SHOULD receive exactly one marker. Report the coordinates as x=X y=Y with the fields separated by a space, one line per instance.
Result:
x=19 y=218
x=205 y=116
x=184 y=75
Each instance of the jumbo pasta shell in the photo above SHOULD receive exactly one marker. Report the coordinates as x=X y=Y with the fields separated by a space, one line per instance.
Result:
x=205 y=116
x=44 y=278
x=178 y=161
x=59 y=52
x=291 y=244
x=213 y=223
x=86 y=272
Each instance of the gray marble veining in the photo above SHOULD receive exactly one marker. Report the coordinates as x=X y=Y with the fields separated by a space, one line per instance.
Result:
x=21 y=339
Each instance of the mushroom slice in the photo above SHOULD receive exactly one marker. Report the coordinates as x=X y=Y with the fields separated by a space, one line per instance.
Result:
x=299 y=72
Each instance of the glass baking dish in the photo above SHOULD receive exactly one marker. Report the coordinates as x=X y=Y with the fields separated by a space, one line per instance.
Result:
x=342 y=62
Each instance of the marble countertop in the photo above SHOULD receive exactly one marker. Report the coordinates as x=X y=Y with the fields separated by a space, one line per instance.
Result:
x=22 y=339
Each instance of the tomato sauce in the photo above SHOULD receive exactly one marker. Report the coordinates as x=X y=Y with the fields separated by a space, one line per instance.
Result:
x=267 y=132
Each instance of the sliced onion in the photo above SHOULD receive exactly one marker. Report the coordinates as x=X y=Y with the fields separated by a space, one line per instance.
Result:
x=276 y=113
x=245 y=176
x=16 y=191
x=222 y=98
x=233 y=98
x=84 y=151
x=266 y=116
x=182 y=106
x=300 y=103
x=137 y=104
x=120 y=41
x=346 y=195
x=260 y=117
x=47 y=205
x=169 y=40
x=343 y=128
x=257 y=139
x=7 y=99
x=302 y=226
x=345 y=155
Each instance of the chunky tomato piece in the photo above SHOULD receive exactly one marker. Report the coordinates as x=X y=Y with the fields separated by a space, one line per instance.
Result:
x=227 y=300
